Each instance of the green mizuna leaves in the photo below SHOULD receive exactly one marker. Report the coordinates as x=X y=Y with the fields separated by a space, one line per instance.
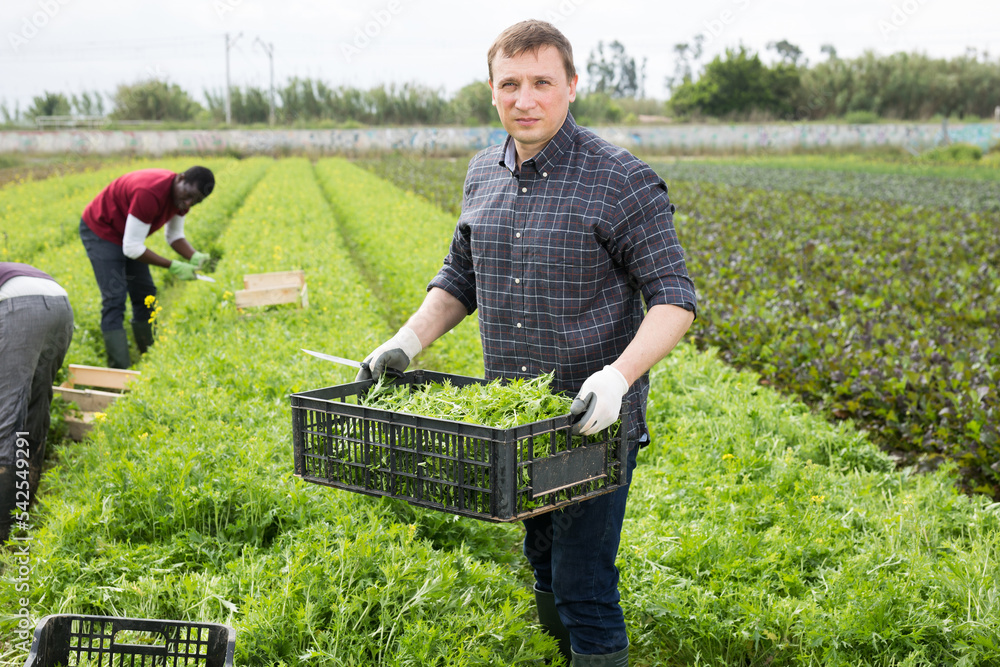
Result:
x=497 y=404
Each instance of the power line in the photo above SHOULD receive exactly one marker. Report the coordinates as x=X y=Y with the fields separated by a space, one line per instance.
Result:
x=116 y=47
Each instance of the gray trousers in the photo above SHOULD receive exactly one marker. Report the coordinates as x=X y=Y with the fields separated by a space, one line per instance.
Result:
x=35 y=332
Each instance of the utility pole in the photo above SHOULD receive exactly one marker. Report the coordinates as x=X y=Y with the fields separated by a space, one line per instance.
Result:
x=269 y=50
x=229 y=104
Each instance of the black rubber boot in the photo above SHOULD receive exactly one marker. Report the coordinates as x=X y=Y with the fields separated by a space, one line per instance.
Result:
x=116 y=345
x=143 y=332
x=8 y=499
x=619 y=659
x=548 y=617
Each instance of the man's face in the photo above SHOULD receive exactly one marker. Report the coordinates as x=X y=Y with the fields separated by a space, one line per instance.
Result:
x=532 y=94
x=186 y=194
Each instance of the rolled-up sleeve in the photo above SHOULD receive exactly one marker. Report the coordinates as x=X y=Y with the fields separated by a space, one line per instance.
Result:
x=175 y=229
x=644 y=239
x=134 y=238
x=459 y=283
x=457 y=275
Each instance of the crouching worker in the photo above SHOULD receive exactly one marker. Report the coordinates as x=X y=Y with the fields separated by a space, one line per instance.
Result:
x=36 y=327
x=114 y=228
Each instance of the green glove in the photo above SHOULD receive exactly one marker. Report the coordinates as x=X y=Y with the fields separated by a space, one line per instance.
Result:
x=182 y=270
x=198 y=259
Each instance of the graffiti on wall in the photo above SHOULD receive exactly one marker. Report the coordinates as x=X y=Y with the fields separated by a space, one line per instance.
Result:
x=749 y=138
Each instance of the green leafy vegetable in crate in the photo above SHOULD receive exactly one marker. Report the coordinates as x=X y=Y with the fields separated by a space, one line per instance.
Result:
x=496 y=404
x=499 y=404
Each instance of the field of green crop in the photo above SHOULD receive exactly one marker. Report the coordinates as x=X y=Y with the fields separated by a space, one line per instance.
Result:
x=823 y=282
x=758 y=532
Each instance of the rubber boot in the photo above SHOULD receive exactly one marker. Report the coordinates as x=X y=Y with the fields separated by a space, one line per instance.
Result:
x=548 y=616
x=116 y=345
x=619 y=659
x=143 y=332
x=8 y=499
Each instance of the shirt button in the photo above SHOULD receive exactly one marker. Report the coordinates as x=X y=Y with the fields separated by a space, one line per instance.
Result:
x=524 y=368
x=524 y=189
x=517 y=235
x=517 y=281
x=518 y=325
x=545 y=174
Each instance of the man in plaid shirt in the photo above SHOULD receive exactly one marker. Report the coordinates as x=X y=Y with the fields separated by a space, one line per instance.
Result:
x=561 y=239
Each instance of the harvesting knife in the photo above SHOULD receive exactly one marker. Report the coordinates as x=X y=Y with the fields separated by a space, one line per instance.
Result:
x=205 y=278
x=336 y=360
x=391 y=372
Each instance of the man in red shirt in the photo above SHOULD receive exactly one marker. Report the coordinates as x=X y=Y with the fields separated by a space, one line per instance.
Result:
x=114 y=228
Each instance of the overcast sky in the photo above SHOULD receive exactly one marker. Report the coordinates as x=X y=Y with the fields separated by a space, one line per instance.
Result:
x=73 y=46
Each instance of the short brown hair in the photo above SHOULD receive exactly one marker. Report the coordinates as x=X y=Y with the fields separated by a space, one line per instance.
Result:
x=531 y=35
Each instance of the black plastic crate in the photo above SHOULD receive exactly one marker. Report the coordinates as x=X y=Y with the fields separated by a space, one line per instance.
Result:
x=476 y=471
x=107 y=641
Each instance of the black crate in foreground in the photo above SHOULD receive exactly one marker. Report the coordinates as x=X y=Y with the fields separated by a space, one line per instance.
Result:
x=467 y=469
x=106 y=641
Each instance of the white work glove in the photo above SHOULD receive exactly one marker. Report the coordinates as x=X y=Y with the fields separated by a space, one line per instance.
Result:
x=395 y=353
x=599 y=401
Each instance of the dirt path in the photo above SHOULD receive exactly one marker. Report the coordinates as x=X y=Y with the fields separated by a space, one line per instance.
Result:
x=45 y=168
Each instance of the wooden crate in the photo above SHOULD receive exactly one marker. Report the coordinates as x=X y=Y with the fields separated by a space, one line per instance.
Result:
x=268 y=289
x=101 y=387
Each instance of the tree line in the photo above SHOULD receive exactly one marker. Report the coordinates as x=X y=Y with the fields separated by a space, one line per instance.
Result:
x=903 y=86
x=309 y=101
x=735 y=85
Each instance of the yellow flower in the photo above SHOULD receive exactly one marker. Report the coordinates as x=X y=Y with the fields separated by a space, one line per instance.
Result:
x=818 y=499
x=149 y=301
x=727 y=456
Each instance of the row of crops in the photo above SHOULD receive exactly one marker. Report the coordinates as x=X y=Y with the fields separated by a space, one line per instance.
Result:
x=41 y=222
x=974 y=193
x=757 y=533
x=874 y=299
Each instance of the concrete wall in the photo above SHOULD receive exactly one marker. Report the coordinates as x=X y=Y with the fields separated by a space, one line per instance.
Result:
x=745 y=137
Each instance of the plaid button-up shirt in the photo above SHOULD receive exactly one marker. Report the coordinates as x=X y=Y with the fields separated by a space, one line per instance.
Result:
x=559 y=255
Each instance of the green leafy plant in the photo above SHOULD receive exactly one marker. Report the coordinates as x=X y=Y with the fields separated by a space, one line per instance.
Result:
x=861 y=117
x=756 y=532
x=954 y=153
x=499 y=404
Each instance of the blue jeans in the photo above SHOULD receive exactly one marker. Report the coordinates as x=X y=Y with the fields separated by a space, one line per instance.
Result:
x=573 y=553
x=118 y=277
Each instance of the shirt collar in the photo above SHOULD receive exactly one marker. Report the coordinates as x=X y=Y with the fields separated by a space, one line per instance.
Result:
x=562 y=140
x=509 y=159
